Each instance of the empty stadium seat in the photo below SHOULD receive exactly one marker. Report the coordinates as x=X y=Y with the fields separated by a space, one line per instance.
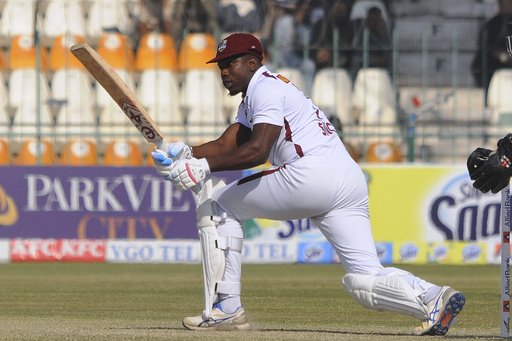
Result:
x=108 y=15
x=4 y=153
x=383 y=152
x=34 y=153
x=23 y=101
x=378 y=125
x=373 y=87
x=159 y=93
x=60 y=55
x=156 y=51
x=122 y=153
x=230 y=106
x=22 y=53
x=5 y=119
x=499 y=99
x=79 y=153
x=63 y=17
x=196 y=49
x=201 y=100
x=75 y=116
x=332 y=92
x=116 y=50
x=18 y=18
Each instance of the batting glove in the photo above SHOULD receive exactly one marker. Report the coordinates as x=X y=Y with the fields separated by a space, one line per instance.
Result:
x=167 y=153
x=187 y=173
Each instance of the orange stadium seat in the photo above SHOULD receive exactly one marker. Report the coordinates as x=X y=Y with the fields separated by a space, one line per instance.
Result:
x=383 y=152
x=116 y=50
x=60 y=55
x=156 y=51
x=4 y=153
x=79 y=153
x=22 y=53
x=122 y=153
x=196 y=50
x=34 y=153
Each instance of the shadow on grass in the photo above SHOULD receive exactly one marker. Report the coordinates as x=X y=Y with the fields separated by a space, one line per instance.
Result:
x=334 y=332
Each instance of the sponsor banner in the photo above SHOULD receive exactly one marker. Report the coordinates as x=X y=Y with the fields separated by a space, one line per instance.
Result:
x=94 y=203
x=385 y=252
x=410 y=253
x=267 y=252
x=48 y=250
x=4 y=251
x=457 y=253
x=429 y=203
x=151 y=251
x=315 y=252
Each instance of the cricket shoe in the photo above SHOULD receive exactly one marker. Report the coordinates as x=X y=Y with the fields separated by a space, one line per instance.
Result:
x=441 y=312
x=219 y=320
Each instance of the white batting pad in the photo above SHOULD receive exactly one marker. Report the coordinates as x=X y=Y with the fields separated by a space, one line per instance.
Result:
x=385 y=293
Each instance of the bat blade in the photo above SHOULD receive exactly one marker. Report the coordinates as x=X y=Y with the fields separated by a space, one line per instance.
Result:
x=119 y=91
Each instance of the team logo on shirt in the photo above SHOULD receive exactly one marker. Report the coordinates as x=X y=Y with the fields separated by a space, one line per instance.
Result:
x=222 y=45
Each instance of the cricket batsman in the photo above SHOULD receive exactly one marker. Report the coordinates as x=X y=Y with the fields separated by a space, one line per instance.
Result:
x=313 y=176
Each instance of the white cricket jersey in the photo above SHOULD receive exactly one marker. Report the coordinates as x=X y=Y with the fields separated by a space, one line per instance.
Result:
x=272 y=98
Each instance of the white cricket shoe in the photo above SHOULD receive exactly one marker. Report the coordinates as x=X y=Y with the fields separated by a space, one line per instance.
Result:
x=219 y=320
x=441 y=312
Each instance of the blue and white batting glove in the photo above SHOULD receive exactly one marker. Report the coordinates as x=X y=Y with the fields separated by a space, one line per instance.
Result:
x=167 y=153
x=187 y=173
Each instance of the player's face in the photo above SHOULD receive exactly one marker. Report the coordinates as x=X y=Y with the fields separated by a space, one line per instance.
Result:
x=235 y=73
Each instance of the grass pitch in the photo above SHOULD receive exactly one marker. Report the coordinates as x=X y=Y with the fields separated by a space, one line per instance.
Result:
x=87 y=301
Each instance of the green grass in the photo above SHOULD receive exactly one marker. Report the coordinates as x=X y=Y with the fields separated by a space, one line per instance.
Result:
x=75 y=301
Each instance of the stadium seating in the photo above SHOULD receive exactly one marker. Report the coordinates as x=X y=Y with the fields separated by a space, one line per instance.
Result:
x=156 y=51
x=196 y=49
x=202 y=103
x=60 y=55
x=63 y=17
x=122 y=153
x=383 y=152
x=72 y=90
x=4 y=153
x=159 y=93
x=116 y=50
x=499 y=99
x=28 y=111
x=372 y=87
x=18 y=18
x=79 y=153
x=108 y=15
x=22 y=54
x=34 y=153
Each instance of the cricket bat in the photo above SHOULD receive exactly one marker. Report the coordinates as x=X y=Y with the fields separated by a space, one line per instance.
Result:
x=121 y=94
x=119 y=91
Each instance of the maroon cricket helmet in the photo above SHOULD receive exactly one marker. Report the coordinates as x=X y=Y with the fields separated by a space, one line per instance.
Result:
x=238 y=43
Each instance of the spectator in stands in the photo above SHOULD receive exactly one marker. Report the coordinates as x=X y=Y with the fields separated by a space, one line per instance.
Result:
x=288 y=37
x=151 y=16
x=323 y=51
x=193 y=16
x=492 y=54
x=240 y=15
x=379 y=47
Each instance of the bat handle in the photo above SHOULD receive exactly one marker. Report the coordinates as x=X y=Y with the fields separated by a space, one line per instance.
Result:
x=196 y=189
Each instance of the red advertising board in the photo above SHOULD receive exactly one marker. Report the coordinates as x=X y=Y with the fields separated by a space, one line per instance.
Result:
x=48 y=250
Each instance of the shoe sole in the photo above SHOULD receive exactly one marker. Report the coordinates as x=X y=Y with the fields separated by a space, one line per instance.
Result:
x=454 y=306
x=219 y=326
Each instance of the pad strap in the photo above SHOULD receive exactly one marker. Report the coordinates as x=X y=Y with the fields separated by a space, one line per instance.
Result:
x=228 y=288
x=230 y=243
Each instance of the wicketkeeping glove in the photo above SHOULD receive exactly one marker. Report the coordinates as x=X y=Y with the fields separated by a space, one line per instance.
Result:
x=187 y=173
x=491 y=170
x=167 y=153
